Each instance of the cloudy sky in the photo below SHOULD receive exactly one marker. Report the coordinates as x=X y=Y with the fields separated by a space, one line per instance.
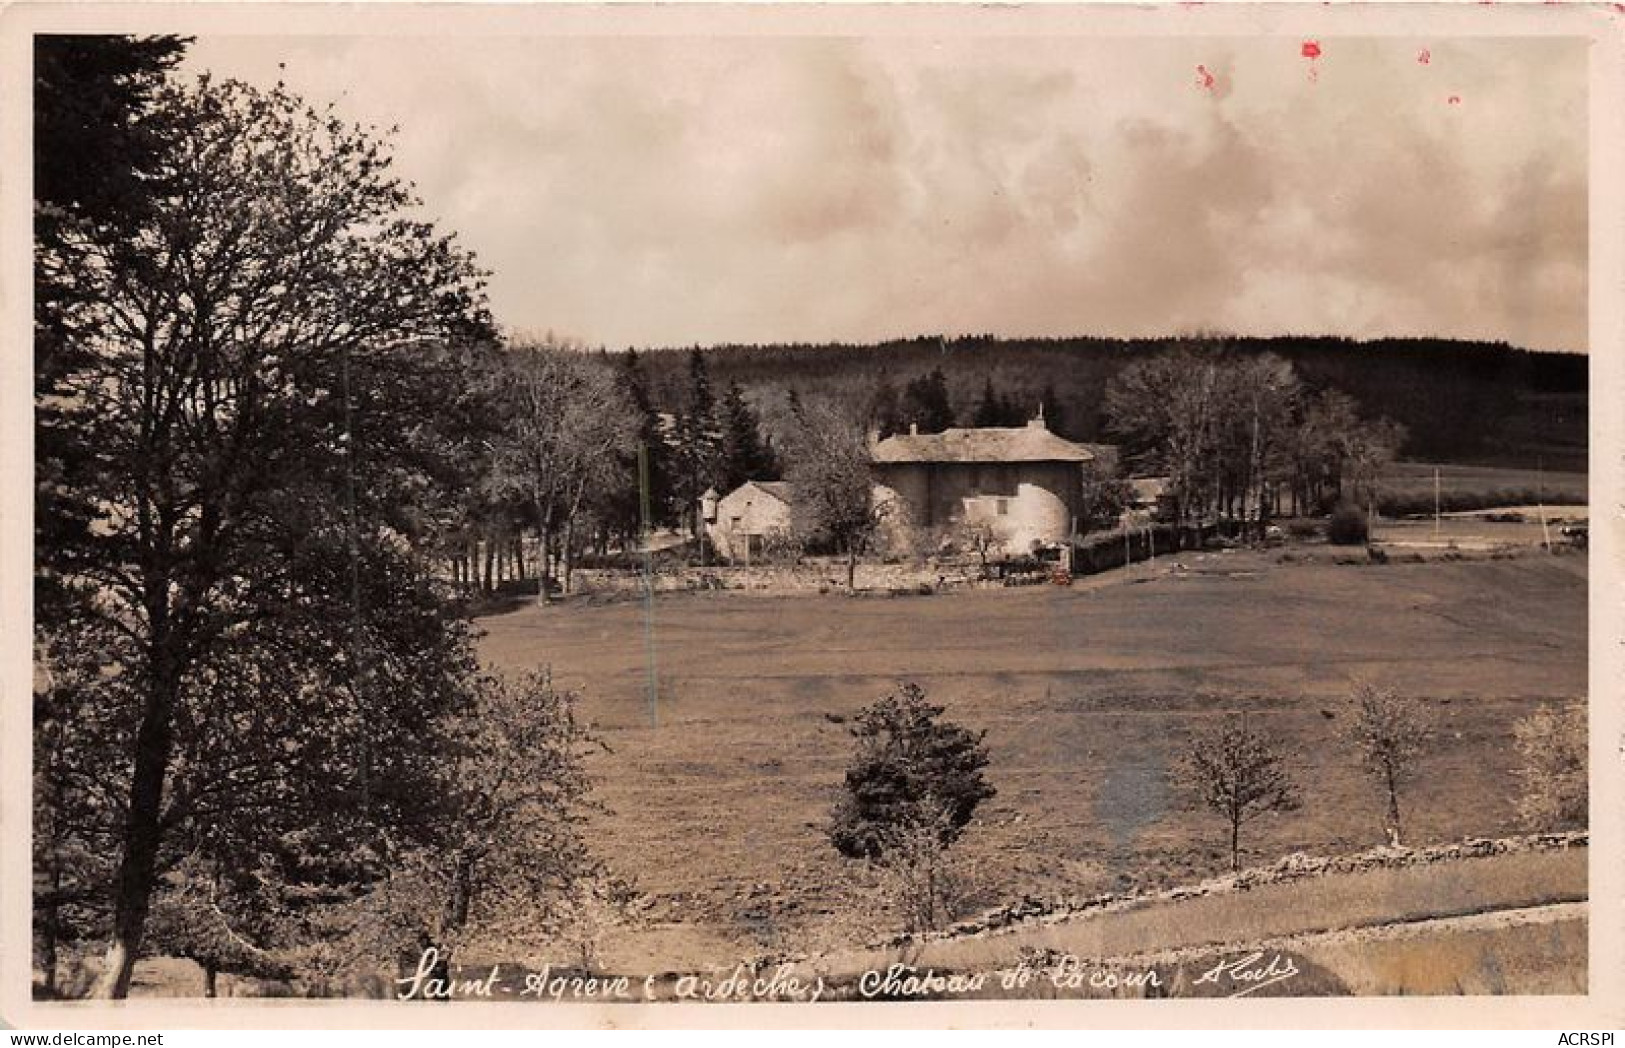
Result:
x=660 y=191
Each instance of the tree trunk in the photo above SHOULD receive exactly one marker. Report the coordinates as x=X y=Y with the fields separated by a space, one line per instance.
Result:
x=462 y=894
x=544 y=541
x=1235 y=845
x=132 y=891
x=851 y=568
x=569 y=551
x=210 y=972
x=490 y=565
x=455 y=914
x=519 y=555
x=48 y=931
x=1393 y=809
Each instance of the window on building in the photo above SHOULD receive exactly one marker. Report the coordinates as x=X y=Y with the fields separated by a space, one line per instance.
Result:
x=1003 y=507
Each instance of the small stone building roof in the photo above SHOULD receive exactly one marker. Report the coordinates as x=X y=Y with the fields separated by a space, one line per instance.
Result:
x=1030 y=443
x=776 y=488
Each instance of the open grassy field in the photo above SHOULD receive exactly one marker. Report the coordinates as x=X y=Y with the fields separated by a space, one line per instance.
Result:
x=1408 y=487
x=1087 y=695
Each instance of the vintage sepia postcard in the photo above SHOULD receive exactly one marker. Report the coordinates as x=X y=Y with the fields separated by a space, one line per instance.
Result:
x=812 y=515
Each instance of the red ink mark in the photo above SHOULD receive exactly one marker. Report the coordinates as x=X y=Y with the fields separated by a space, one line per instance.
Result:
x=1311 y=49
x=1454 y=100
x=1204 y=79
x=1425 y=57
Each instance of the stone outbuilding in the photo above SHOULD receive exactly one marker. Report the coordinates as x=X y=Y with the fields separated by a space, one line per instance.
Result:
x=743 y=522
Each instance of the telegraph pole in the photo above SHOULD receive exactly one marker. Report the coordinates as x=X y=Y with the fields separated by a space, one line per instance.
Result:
x=648 y=584
x=1435 y=503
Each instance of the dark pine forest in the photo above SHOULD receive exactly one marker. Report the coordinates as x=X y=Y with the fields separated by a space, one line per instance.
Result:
x=1469 y=402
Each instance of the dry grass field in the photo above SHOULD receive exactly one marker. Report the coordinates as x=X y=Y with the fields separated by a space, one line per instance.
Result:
x=1087 y=695
x=1408 y=487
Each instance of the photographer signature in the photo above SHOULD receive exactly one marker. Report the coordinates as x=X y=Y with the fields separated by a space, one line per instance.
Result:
x=1249 y=973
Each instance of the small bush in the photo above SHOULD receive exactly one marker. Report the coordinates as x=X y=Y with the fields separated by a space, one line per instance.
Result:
x=912 y=768
x=1347 y=526
x=1552 y=745
x=1303 y=528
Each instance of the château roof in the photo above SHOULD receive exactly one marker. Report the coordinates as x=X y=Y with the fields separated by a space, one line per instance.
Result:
x=1030 y=443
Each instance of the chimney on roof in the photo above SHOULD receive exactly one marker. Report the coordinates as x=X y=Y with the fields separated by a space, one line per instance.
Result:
x=913 y=429
x=1038 y=421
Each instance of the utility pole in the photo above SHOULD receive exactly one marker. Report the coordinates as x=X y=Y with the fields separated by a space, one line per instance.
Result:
x=648 y=583
x=1540 y=492
x=1435 y=503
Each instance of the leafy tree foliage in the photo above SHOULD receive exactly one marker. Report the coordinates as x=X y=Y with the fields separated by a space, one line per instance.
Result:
x=499 y=855
x=83 y=711
x=1054 y=408
x=1458 y=401
x=1390 y=733
x=1238 y=437
x=745 y=455
x=93 y=140
x=651 y=437
x=912 y=769
x=995 y=409
x=983 y=535
x=884 y=412
x=224 y=918
x=569 y=432
x=1348 y=526
x=1552 y=750
x=829 y=469
x=697 y=455
x=926 y=405
x=97 y=148
x=1105 y=495
x=1238 y=772
x=248 y=397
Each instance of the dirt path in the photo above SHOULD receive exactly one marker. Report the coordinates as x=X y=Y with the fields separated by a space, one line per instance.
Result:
x=1389 y=931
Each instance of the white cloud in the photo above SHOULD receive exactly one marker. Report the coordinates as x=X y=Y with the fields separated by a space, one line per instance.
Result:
x=670 y=191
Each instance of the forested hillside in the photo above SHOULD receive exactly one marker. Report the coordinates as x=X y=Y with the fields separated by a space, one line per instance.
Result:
x=1459 y=401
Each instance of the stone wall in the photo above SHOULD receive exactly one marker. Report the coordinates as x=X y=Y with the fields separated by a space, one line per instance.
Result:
x=809 y=576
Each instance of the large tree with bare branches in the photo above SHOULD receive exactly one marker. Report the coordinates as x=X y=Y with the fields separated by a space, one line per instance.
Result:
x=568 y=427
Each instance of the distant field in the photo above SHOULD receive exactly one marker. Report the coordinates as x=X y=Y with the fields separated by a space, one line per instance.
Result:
x=1087 y=695
x=1407 y=488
